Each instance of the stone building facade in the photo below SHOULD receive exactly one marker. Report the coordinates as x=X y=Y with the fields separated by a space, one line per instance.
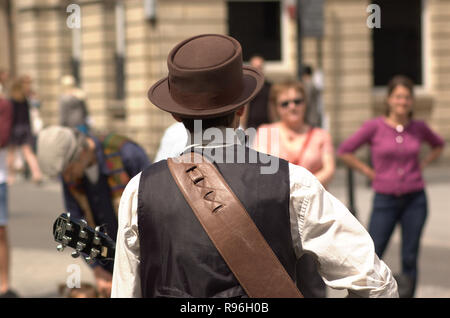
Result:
x=39 y=42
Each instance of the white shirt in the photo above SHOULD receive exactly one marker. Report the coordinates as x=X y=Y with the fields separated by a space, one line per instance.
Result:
x=173 y=141
x=320 y=224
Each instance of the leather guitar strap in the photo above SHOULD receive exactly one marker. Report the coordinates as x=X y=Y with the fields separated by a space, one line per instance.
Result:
x=231 y=229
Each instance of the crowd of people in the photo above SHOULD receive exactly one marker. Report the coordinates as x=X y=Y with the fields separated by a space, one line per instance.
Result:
x=161 y=249
x=17 y=105
x=20 y=126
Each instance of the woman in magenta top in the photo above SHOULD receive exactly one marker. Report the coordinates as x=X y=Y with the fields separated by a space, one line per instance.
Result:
x=395 y=140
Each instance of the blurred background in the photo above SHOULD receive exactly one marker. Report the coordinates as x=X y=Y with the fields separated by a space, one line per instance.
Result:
x=121 y=47
x=115 y=50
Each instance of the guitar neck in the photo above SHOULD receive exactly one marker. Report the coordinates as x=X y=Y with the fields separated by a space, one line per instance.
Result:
x=76 y=234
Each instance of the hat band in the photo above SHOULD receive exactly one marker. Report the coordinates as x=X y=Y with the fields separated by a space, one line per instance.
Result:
x=206 y=100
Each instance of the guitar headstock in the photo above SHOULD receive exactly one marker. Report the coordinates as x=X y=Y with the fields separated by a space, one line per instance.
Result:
x=85 y=240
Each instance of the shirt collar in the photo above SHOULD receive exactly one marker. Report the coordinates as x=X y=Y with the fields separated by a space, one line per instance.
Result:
x=215 y=138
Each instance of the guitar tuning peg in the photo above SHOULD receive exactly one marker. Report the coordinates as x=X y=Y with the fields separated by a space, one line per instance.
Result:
x=66 y=240
x=80 y=246
x=99 y=229
x=83 y=223
x=60 y=248
x=83 y=233
x=94 y=253
x=89 y=260
x=96 y=240
x=75 y=254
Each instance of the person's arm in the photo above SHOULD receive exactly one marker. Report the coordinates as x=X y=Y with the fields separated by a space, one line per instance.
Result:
x=126 y=282
x=433 y=155
x=435 y=141
x=353 y=162
x=6 y=116
x=76 y=212
x=70 y=203
x=323 y=227
x=134 y=158
x=325 y=174
x=349 y=146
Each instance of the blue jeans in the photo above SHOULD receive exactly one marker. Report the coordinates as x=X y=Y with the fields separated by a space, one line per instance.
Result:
x=3 y=204
x=410 y=210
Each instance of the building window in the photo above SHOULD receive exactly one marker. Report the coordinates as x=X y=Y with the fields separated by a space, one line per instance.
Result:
x=397 y=45
x=257 y=26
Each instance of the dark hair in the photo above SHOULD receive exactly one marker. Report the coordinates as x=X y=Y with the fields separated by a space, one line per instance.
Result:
x=307 y=70
x=399 y=80
x=224 y=120
x=16 y=90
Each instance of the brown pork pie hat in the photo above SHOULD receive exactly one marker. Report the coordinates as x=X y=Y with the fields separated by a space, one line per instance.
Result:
x=206 y=78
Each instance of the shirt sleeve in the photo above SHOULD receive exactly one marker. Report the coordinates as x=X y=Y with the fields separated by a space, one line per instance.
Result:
x=134 y=158
x=172 y=143
x=433 y=139
x=126 y=282
x=322 y=226
x=363 y=135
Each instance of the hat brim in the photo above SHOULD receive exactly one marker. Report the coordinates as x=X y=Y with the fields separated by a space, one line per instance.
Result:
x=159 y=95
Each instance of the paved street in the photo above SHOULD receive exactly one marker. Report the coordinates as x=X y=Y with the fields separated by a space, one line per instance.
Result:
x=37 y=268
x=434 y=261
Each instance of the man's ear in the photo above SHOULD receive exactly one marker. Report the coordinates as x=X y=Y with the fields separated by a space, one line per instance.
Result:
x=240 y=111
x=178 y=119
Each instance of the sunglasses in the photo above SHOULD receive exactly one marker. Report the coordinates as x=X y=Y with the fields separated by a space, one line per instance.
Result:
x=297 y=101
